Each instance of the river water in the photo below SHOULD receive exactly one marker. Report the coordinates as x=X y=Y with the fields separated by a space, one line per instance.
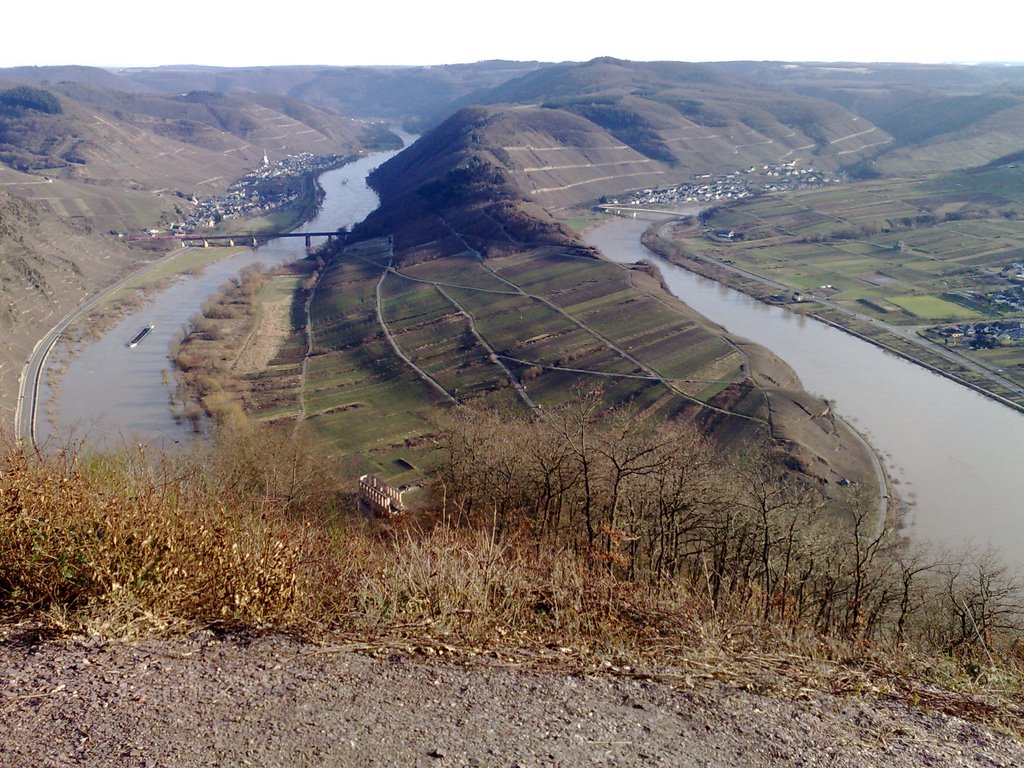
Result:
x=956 y=456
x=111 y=395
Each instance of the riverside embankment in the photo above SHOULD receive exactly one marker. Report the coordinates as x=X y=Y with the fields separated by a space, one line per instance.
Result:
x=953 y=453
x=110 y=395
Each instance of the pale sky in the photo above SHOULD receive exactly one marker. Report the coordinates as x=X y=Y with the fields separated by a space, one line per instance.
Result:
x=119 y=33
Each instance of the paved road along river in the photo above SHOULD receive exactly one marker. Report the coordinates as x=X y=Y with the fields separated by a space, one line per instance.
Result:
x=112 y=395
x=955 y=455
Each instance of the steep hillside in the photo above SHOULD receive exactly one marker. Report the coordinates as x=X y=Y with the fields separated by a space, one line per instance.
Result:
x=120 y=160
x=47 y=266
x=154 y=141
x=985 y=129
x=941 y=117
x=696 y=117
x=549 y=157
x=569 y=134
x=465 y=285
x=79 y=161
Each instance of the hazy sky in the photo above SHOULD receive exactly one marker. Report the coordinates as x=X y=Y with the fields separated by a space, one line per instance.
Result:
x=117 y=33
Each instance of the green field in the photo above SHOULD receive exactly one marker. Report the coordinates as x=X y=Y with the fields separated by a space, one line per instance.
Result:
x=934 y=251
x=548 y=320
x=934 y=308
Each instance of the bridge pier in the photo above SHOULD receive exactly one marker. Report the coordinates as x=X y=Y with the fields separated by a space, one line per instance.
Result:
x=309 y=241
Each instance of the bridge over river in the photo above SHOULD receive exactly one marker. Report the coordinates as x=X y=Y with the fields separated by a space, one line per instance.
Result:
x=231 y=239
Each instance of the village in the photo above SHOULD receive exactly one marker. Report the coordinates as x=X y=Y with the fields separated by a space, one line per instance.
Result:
x=985 y=335
x=268 y=188
x=776 y=177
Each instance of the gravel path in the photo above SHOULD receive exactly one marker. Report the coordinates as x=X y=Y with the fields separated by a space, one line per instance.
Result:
x=272 y=701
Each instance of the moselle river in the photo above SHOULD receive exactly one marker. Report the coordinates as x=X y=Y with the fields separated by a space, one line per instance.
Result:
x=956 y=456
x=111 y=395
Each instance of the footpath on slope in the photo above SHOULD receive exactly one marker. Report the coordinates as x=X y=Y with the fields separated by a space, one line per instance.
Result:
x=269 y=700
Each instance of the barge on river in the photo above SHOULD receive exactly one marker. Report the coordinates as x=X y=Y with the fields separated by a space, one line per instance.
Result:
x=140 y=336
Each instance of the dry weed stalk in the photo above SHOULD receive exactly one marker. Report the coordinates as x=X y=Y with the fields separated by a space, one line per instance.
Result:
x=673 y=559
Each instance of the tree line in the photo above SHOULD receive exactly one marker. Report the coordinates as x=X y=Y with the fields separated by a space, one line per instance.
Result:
x=658 y=504
x=26 y=97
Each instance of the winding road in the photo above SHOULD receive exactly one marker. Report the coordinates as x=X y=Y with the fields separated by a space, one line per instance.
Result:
x=26 y=411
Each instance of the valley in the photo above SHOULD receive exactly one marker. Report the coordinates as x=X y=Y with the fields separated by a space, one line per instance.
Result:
x=605 y=461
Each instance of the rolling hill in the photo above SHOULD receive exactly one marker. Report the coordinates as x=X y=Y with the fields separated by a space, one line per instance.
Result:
x=111 y=154
x=567 y=135
x=79 y=160
x=697 y=117
x=467 y=283
x=941 y=117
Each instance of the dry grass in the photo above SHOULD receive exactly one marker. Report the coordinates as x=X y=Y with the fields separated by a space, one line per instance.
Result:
x=248 y=534
x=111 y=544
x=206 y=358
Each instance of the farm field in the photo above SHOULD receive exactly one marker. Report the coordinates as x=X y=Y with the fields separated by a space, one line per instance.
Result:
x=392 y=348
x=921 y=255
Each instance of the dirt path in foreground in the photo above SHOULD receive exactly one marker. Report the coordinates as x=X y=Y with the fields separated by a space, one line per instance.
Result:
x=271 y=701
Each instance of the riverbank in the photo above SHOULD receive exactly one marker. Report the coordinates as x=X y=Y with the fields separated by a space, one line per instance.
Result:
x=126 y=297
x=821 y=445
x=951 y=453
x=101 y=372
x=962 y=371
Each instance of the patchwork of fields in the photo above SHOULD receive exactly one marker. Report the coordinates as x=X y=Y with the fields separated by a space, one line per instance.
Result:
x=918 y=255
x=391 y=348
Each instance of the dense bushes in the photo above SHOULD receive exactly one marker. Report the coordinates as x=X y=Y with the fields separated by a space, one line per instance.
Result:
x=655 y=504
x=586 y=531
x=110 y=542
x=25 y=97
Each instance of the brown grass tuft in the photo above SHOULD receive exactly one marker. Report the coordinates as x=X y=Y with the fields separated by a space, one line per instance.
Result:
x=250 y=533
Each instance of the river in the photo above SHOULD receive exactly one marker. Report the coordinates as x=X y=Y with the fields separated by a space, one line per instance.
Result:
x=110 y=395
x=955 y=455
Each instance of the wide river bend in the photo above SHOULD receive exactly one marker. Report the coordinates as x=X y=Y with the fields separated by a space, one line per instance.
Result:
x=955 y=456
x=111 y=395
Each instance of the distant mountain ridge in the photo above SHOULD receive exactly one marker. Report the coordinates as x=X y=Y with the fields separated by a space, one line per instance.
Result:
x=415 y=95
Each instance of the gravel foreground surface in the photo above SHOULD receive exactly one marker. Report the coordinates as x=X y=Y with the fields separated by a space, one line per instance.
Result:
x=274 y=701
